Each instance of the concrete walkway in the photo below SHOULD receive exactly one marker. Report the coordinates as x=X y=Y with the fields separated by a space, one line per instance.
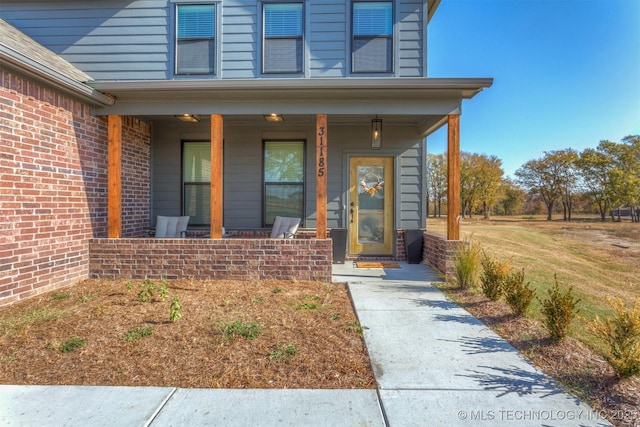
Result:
x=435 y=365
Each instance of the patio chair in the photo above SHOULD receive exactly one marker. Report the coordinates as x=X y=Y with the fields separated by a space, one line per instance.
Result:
x=171 y=226
x=284 y=227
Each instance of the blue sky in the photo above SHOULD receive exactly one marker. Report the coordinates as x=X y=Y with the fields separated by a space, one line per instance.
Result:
x=566 y=73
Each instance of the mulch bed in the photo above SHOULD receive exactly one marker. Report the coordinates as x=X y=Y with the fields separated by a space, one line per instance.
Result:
x=573 y=364
x=309 y=336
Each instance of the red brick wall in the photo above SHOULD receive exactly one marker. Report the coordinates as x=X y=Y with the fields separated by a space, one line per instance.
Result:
x=439 y=252
x=237 y=259
x=136 y=177
x=53 y=186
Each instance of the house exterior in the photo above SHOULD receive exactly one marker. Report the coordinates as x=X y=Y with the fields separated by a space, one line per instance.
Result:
x=229 y=111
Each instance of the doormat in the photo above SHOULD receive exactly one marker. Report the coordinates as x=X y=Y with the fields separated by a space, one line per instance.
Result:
x=369 y=264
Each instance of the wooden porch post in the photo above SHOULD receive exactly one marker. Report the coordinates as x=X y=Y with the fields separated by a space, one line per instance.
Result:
x=321 y=176
x=114 y=177
x=453 y=177
x=216 y=176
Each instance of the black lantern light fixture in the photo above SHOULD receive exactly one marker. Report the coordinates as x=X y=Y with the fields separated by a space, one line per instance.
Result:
x=376 y=133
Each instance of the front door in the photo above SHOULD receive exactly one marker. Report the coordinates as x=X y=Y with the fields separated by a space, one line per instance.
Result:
x=371 y=206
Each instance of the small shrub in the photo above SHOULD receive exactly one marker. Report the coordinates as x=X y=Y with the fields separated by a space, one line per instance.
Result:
x=149 y=288
x=61 y=295
x=467 y=263
x=558 y=311
x=238 y=328
x=355 y=327
x=176 y=310
x=494 y=275
x=258 y=300
x=73 y=343
x=307 y=306
x=283 y=351
x=518 y=294
x=136 y=333
x=621 y=333
x=276 y=290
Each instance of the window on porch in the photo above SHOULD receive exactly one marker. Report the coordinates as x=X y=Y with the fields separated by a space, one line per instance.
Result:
x=196 y=182
x=372 y=43
x=282 y=44
x=283 y=180
x=195 y=38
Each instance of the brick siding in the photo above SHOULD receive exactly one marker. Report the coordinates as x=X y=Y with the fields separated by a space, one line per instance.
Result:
x=439 y=252
x=53 y=186
x=234 y=259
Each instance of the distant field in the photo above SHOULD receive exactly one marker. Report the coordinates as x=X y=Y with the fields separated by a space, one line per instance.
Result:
x=596 y=258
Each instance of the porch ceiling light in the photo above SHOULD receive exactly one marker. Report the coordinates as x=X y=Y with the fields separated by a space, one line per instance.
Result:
x=273 y=117
x=376 y=133
x=188 y=118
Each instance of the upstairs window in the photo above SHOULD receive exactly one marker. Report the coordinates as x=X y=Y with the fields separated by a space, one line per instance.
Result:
x=282 y=42
x=196 y=42
x=283 y=180
x=372 y=43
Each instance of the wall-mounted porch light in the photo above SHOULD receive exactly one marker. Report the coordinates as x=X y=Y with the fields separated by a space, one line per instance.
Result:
x=188 y=118
x=376 y=133
x=273 y=117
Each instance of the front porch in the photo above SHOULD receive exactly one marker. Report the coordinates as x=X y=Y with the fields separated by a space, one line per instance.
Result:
x=241 y=258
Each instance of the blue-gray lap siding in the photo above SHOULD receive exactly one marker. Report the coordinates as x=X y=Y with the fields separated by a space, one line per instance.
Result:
x=243 y=169
x=134 y=40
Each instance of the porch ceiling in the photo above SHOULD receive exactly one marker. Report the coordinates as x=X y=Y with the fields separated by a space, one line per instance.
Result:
x=424 y=102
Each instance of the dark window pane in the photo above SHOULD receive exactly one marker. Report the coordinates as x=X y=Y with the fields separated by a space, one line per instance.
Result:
x=372 y=54
x=283 y=56
x=283 y=200
x=196 y=56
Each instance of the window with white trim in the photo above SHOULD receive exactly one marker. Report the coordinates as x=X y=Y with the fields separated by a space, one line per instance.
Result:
x=282 y=50
x=195 y=38
x=372 y=41
x=283 y=180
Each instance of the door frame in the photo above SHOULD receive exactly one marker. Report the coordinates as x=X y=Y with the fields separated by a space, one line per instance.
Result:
x=387 y=248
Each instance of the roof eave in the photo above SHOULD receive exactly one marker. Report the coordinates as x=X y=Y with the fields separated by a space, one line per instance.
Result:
x=23 y=65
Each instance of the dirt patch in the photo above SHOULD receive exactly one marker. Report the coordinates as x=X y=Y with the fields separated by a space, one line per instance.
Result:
x=102 y=333
x=571 y=363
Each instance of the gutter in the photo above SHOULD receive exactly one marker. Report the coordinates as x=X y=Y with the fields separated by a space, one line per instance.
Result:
x=26 y=66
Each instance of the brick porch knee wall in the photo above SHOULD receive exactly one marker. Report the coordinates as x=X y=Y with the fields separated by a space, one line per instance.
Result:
x=237 y=259
x=439 y=253
x=53 y=186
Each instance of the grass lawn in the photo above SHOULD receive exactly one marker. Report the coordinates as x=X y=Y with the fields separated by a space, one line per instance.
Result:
x=597 y=259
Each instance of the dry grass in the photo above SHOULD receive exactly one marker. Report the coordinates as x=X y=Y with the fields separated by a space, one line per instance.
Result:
x=307 y=337
x=597 y=259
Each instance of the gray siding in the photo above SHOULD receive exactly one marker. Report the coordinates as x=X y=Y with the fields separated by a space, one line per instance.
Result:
x=328 y=38
x=134 y=39
x=411 y=39
x=107 y=40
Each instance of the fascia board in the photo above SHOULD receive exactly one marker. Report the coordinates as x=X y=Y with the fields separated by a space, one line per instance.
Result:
x=32 y=69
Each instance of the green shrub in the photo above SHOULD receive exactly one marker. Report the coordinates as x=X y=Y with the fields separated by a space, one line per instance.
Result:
x=621 y=333
x=518 y=294
x=494 y=274
x=467 y=263
x=136 y=333
x=73 y=343
x=238 y=328
x=558 y=311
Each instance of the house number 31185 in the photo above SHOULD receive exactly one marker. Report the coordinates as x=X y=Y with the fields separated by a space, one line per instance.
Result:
x=321 y=160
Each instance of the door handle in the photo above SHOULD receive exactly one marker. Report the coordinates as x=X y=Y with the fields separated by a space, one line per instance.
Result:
x=351 y=213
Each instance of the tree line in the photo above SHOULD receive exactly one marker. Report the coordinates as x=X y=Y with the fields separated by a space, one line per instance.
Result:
x=605 y=179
